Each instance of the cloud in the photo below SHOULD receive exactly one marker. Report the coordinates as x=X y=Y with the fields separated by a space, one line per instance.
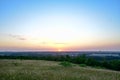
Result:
x=19 y=37
x=53 y=43
x=60 y=43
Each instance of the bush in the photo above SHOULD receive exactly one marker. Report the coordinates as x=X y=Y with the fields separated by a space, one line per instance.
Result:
x=82 y=65
x=66 y=64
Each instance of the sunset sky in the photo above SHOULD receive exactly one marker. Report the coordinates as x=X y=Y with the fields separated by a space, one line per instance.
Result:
x=59 y=25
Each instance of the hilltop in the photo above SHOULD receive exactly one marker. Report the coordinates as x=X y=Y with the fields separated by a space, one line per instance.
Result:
x=51 y=70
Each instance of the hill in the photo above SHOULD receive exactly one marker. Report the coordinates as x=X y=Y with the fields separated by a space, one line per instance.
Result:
x=51 y=70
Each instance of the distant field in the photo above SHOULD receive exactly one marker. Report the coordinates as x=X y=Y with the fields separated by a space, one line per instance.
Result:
x=50 y=70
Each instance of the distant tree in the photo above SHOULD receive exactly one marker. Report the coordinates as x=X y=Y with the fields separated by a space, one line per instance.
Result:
x=105 y=63
x=68 y=58
x=115 y=64
x=92 y=62
x=80 y=59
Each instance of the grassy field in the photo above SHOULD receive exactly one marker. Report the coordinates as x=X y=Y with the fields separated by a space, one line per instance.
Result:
x=50 y=70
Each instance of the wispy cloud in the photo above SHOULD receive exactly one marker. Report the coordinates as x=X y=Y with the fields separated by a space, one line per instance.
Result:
x=60 y=43
x=19 y=37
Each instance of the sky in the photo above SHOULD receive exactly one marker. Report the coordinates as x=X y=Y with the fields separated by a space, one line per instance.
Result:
x=59 y=25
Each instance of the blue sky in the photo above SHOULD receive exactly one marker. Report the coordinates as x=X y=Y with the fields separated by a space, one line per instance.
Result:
x=59 y=25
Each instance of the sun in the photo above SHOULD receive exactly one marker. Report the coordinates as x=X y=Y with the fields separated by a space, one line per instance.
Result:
x=59 y=50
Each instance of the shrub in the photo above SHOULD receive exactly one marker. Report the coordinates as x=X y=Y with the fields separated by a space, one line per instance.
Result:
x=66 y=64
x=82 y=65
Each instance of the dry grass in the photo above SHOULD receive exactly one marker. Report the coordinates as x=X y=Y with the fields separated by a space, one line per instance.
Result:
x=50 y=70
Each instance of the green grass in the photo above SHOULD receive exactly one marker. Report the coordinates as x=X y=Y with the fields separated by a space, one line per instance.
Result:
x=50 y=70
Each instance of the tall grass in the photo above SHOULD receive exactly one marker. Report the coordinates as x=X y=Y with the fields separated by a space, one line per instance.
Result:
x=50 y=70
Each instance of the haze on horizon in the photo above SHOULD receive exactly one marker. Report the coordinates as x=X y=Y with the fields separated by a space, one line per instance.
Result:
x=59 y=25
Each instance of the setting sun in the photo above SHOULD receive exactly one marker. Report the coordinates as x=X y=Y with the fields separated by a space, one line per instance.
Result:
x=59 y=50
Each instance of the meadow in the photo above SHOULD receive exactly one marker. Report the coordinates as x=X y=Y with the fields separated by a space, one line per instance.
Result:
x=11 y=69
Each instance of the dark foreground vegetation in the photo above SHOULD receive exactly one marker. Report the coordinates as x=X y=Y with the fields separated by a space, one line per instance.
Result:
x=82 y=60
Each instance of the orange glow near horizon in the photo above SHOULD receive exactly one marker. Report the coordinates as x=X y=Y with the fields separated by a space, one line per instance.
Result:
x=59 y=50
x=49 y=45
